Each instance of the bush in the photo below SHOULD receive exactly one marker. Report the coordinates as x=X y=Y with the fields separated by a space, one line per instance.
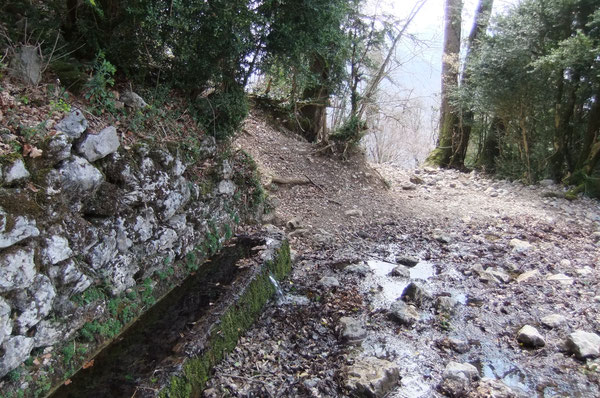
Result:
x=351 y=131
x=220 y=114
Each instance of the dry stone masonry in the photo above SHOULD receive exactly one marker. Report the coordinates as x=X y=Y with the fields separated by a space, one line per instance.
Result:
x=89 y=214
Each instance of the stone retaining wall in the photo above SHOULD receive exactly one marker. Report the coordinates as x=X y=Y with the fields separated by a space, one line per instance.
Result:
x=91 y=223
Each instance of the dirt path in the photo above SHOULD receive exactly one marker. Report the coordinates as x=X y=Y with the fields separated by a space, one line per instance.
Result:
x=486 y=258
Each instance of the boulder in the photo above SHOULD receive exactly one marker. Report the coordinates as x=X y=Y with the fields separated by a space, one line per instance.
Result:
x=415 y=293
x=530 y=337
x=97 y=146
x=133 y=100
x=73 y=125
x=584 y=344
x=17 y=270
x=371 y=377
x=16 y=350
x=21 y=228
x=58 y=149
x=77 y=176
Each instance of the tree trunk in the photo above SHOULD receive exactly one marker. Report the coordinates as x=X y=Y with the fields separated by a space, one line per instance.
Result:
x=442 y=155
x=491 y=146
x=480 y=24
x=313 y=113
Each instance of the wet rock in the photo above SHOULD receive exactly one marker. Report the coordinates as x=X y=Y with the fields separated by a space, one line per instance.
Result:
x=16 y=172
x=40 y=297
x=560 y=278
x=371 y=377
x=17 y=270
x=5 y=320
x=519 y=246
x=16 y=350
x=404 y=314
x=446 y=305
x=73 y=125
x=553 y=321
x=408 y=261
x=21 y=228
x=400 y=272
x=97 y=146
x=329 y=282
x=56 y=250
x=354 y=213
x=414 y=293
x=133 y=100
x=530 y=337
x=359 y=269
x=583 y=344
x=490 y=388
x=525 y=276
x=352 y=329
x=461 y=371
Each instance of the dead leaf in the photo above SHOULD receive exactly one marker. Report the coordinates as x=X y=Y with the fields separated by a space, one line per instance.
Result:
x=37 y=362
x=32 y=187
x=88 y=364
x=35 y=153
x=68 y=381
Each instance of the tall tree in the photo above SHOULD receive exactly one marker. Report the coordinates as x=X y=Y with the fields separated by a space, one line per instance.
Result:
x=447 y=140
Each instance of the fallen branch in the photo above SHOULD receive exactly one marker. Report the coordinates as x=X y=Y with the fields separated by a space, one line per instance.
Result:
x=289 y=181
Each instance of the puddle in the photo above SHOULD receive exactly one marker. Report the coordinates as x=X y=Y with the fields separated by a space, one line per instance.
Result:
x=154 y=339
x=389 y=288
x=510 y=374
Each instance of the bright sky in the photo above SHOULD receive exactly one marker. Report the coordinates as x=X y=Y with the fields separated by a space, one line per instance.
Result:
x=421 y=74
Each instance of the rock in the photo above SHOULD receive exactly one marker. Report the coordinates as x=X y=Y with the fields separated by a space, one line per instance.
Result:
x=553 y=321
x=403 y=313
x=352 y=330
x=78 y=176
x=103 y=252
x=354 y=213
x=5 y=320
x=40 y=297
x=414 y=293
x=56 y=250
x=294 y=223
x=73 y=125
x=461 y=371
x=359 y=269
x=530 y=337
x=17 y=270
x=458 y=345
x=546 y=183
x=16 y=351
x=416 y=180
x=490 y=388
x=400 y=271
x=525 y=276
x=227 y=188
x=442 y=237
x=27 y=64
x=97 y=146
x=585 y=271
x=409 y=187
x=16 y=172
x=49 y=333
x=21 y=228
x=371 y=377
x=133 y=100
x=494 y=275
x=519 y=246
x=445 y=305
x=584 y=344
x=329 y=282
x=408 y=261
x=69 y=275
x=561 y=278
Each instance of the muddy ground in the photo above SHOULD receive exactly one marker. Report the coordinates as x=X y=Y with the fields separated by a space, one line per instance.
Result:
x=483 y=259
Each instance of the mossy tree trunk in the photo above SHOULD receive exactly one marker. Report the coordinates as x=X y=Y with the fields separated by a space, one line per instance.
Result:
x=316 y=97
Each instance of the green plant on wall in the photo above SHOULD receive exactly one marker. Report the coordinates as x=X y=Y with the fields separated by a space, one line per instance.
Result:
x=97 y=89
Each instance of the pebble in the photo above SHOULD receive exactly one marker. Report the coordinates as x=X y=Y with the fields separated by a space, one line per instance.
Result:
x=400 y=272
x=329 y=282
x=561 y=278
x=553 y=321
x=403 y=313
x=525 y=276
x=372 y=377
x=352 y=329
x=408 y=261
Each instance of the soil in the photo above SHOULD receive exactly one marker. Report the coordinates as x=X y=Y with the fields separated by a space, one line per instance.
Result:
x=475 y=241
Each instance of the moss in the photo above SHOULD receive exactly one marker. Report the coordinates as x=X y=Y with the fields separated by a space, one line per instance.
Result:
x=20 y=203
x=234 y=322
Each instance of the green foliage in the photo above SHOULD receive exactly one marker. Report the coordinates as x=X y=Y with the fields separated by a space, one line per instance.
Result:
x=351 y=132
x=221 y=114
x=97 y=89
